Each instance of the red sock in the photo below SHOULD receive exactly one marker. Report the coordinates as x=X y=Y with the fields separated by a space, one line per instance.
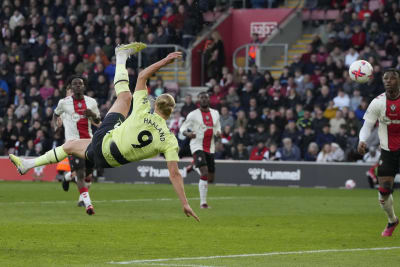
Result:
x=83 y=189
x=203 y=177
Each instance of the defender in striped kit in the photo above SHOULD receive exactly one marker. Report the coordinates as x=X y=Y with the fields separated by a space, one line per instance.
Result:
x=77 y=112
x=385 y=109
x=201 y=126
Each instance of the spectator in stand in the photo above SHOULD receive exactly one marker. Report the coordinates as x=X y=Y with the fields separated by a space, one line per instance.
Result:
x=341 y=136
x=351 y=56
x=258 y=151
x=372 y=156
x=325 y=136
x=220 y=151
x=336 y=122
x=188 y=107
x=305 y=139
x=241 y=152
x=325 y=154
x=272 y=154
x=216 y=97
x=341 y=100
x=241 y=136
x=289 y=151
x=241 y=120
x=252 y=123
x=323 y=98
x=312 y=152
x=232 y=96
x=355 y=99
x=175 y=123
x=360 y=111
x=226 y=118
x=261 y=135
x=337 y=153
x=292 y=132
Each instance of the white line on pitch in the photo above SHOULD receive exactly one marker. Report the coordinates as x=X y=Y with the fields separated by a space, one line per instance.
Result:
x=170 y=264
x=125 y=200
x=256 y=255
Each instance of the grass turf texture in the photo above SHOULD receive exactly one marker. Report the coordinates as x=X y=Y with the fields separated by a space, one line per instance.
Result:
x=40 y=225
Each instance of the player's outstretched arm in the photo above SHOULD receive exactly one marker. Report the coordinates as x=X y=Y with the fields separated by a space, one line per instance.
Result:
x=177 y=182
x=365 y=132
x=145 y=74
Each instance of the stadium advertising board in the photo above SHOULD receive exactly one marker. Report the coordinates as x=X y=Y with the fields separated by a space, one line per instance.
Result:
x=43 y=173
x=249 y=173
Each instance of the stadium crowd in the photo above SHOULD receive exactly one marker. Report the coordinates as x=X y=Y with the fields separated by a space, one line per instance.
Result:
x=312 y=112
x=44 y=42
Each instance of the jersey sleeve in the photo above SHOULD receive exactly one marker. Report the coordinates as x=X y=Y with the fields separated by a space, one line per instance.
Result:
x=372 y=113
x=95 y=108
x=187 y=124
x=141 y=102
x=217 y=127
x=59 y=109
x=172 y=150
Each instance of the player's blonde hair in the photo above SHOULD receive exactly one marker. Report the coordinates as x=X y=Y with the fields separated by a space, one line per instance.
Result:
x=165 y=104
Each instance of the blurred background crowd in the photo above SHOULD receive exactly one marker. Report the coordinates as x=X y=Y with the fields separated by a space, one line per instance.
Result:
x=312 y=112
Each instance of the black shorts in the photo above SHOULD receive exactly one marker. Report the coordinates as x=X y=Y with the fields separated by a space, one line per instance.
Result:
x=77 y=164
x=389 y=163
x=94 y=151
x=202 y=158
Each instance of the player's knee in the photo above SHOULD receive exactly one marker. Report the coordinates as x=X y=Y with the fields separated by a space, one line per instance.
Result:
x=69 y=146
x=386 y=189
x=126 y=97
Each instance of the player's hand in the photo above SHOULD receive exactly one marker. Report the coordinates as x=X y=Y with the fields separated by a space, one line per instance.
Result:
x=189 y=212
x=362 y=148
x=191 y=135
x=89 y=114
x=172 y=56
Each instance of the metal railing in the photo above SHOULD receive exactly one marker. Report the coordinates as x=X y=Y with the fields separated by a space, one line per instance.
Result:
x=175 y=66
x=258 y=56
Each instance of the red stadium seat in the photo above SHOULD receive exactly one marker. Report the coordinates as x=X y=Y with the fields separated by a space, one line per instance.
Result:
x=332 y=14
x=386 y=63
x=374 y=4
x=318 y=15
x=306 y=15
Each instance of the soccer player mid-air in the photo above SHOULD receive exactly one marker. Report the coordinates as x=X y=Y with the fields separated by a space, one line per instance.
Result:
x=201 y=126
x=77 y=112
x=121 y=139
x=385 y=108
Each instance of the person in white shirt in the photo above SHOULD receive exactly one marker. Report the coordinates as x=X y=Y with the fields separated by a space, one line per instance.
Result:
x=201 y=126
x=350 y=57
x=372 y=156
x=342 y=100
x=76 y=112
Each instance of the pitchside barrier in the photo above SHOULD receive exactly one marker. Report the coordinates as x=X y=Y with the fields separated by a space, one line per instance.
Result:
x=228 y=172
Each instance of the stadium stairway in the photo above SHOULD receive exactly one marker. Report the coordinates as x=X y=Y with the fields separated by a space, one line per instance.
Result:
x=296 y=49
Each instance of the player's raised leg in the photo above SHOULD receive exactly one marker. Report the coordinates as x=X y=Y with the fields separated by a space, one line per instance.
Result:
x=121 y=79
x=386 y=202
x=203 y=187
x=71 y=147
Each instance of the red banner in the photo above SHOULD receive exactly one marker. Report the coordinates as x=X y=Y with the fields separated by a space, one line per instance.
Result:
x=236 y=30
x=43 y=173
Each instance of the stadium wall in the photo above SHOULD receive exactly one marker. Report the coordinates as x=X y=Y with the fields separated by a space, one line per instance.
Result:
x=9 y=173
x=235 y=31
x=300 y=174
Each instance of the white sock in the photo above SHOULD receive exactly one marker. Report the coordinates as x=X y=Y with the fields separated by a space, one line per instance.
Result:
x=80 y=198
x=386 y=203
x=68 y=176
x=203 y=189
x=121 y=58
x=86 y=198
x=29 y=163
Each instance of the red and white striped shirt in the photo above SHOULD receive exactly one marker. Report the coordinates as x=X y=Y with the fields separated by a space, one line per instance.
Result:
x=71 y=110
x=387 y=112
x=205 y=125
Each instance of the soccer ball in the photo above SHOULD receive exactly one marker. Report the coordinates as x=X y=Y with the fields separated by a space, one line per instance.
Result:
x=350 y=184
x=361 y=71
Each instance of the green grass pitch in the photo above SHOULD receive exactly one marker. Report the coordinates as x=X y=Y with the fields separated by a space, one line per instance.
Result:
x=40 y=225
